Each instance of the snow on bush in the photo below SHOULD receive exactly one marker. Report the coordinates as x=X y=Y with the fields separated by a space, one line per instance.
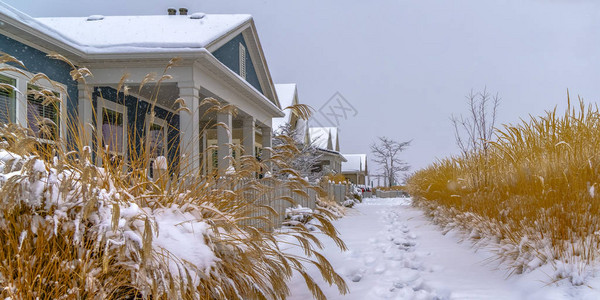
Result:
x=330 y=208
x=349 y=202
x=104 y=229
x=297 y=214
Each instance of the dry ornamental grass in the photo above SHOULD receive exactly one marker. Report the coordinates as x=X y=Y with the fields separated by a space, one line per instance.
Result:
x=72 y=230
x=532 y=196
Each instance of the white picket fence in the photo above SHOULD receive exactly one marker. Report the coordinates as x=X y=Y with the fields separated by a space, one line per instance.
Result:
x=280 y=197
x=337 y=191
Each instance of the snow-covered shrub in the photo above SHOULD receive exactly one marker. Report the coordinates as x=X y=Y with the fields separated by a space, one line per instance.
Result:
x=72 y=230
x=298 y=214
x=68 y=232
x=357 y=194
x=328 y=207
x=349 y=203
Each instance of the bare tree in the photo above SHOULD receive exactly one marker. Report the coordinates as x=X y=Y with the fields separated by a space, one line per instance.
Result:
x=386 y=152
x=473 y=132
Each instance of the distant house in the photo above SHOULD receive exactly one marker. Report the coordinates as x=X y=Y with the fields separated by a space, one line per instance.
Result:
x=220 y=57
x=325 y=139
x=355 y=168
x=288 y=96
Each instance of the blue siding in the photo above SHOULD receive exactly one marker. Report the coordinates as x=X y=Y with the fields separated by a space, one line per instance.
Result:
x=228 y=54
x=137 y=111
x=36 y=61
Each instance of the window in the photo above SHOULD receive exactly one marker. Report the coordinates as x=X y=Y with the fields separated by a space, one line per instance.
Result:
x=242 y=52
x=215 y=159
x=42 y=118
x=156 y=140
x=7 y=100
x=112 y=130
x=40 y=106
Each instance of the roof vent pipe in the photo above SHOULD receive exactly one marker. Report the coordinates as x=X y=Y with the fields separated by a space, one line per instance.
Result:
x=171 y=11
x=183 y=11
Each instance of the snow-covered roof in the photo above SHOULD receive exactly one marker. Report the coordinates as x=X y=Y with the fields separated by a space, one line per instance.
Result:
x=334 y=138
x=9 y=13
x=123 y=34
x=125 y=37
x=286 y=93
x=355 y=163
x=320 y=136
x=324 y=137
x=108 y=34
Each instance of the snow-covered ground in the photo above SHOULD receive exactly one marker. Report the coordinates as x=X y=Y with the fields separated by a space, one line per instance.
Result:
x=396 y=253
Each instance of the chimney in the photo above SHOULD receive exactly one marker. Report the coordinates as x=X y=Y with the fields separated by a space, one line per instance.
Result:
x=183 y=11
x=171 y=11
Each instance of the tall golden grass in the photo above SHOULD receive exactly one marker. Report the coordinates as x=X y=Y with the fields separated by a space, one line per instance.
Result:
x=55 y=246
x=533 y=195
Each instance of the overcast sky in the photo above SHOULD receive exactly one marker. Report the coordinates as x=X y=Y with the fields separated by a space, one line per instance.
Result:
x=406 y=66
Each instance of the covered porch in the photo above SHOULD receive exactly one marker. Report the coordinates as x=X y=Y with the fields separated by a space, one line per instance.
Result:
x=196 y=139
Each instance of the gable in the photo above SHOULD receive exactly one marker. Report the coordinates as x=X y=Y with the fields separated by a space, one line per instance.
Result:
x=355 y=163
x=229 y=55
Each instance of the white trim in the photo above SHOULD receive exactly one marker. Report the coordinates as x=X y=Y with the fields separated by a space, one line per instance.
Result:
x=22 y=80
x=225 y=38
x=118 y=108
x=258 y=56
x=212 y=64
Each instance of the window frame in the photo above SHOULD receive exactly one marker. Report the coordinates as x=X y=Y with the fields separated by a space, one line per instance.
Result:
x=13 y=97
x=118 y=108
x=165 y=125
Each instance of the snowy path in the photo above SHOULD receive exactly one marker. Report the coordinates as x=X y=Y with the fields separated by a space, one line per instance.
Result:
x=396 y=253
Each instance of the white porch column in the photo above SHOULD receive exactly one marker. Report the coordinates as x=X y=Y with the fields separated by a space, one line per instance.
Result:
x=249 y=138
x=266 y=142
x=85 y=113
x=189 y=127
x=206 y=155
x=21 y=103
x=224 y=140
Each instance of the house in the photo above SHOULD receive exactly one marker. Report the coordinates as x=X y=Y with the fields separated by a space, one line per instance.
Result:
x=325 y=139
x=355 y=168
x=288 y=96
x=220 y=56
